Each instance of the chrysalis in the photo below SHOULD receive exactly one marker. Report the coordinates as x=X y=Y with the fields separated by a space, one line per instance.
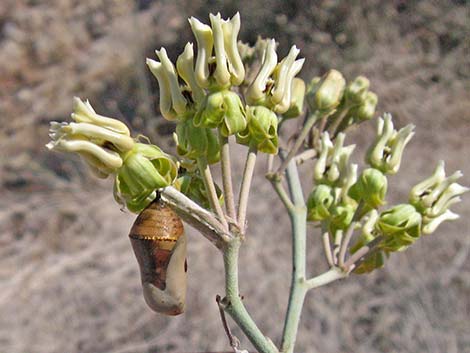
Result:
x=159 y=243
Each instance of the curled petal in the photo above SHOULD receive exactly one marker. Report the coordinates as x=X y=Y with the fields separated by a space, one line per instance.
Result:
x=237 y=69
x=84 y=113
x=256 y=91
x=281 y=81
x=165 y=93
x=108 y=158
x=185 y=67
x=178 y=101
x=205 y=42
x=221 y=74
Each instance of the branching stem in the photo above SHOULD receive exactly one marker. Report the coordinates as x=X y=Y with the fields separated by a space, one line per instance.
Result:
x=298 y=216
x=233 y=304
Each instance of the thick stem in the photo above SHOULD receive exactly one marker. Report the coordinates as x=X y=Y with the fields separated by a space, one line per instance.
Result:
x=245 y=187
x=298 y=143
x=233 y=304
x=196 y=216
x=227 y=176
x=211 y=191
x=298 y=217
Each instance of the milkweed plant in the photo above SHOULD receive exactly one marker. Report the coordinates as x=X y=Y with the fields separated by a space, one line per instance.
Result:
x=233 y=93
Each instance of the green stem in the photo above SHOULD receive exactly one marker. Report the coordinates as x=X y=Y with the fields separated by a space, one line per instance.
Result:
x=331 y=275
x=227 y=176
x=298 y=217
x=233 y=304
x=211 y=191
x=245 y=187
x=337 y=120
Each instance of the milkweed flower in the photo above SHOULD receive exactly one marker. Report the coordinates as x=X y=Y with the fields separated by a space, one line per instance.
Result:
x=108 y=149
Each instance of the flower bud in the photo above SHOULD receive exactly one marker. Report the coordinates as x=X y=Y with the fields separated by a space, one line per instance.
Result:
x=370 y=188
x=319 y=202
x=366 y=110
x=400 y=226
x=356 y=91
x=145 y=169
x=326 y=94
x=261 y=130
x=297 y=100
x=341 y=217
x=224 y=110
x=194 y=142
x=386 y=152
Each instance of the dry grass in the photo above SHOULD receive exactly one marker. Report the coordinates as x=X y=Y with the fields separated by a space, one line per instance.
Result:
x=68 y=279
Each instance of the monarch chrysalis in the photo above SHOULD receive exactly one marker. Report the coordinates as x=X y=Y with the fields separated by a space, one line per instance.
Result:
x=159 y=243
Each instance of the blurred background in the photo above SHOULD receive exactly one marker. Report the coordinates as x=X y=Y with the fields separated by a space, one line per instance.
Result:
x=68 y=278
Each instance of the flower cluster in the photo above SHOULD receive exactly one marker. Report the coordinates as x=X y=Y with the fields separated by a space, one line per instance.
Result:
x=333 y=176
x=106 y=146
x=207 y=101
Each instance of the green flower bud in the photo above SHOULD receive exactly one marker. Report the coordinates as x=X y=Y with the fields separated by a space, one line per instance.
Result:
x=194 y=142
x=326 y=94
x=223 y=109
x=99 y=140
x=386 y=152
x=341 y=217
x=366 y=110
x=319 y=202
x=400 y=225
x=332 y=163
x=297 y=102
x=370 y=188
x=261 y=130
x=356 y=91
x=193 y=187
x=145 y=169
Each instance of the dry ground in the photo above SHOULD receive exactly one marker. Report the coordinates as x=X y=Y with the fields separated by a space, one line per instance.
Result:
x=68 y=278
